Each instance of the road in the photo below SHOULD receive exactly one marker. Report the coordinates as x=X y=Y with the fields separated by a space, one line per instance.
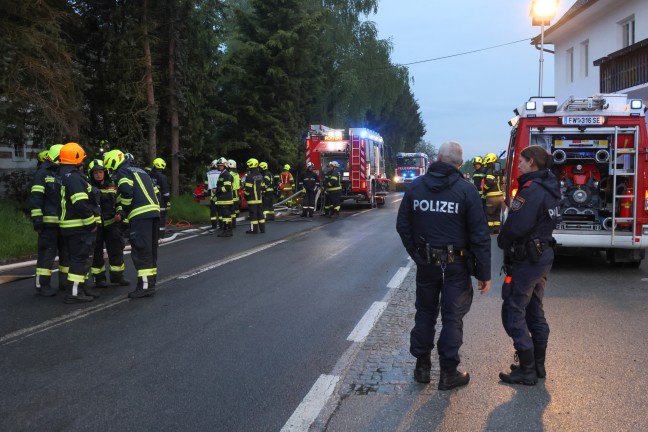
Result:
x=242 y=329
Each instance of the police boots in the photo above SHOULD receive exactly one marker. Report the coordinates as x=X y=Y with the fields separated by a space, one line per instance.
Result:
x=525 y=373
x=422 y=370
x=227 y=230
x=451 y=378
x=539 y=352
x=76 y=294
x=118 y=278
x=254 y=229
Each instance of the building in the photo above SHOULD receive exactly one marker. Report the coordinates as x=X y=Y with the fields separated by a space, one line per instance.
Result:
x=600 y=46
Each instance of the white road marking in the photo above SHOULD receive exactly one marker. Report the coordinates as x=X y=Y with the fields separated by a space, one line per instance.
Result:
x=399 y=277
x=312 y=404
x=366 y=323
x=395 y=201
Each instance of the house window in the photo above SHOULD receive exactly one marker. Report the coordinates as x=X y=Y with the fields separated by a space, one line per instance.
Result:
x=585 y=58
x=627 y=32
x=570 y=65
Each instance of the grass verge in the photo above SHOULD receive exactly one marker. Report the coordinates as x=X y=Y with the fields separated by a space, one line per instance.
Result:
x=185 y=211
x=19 y=238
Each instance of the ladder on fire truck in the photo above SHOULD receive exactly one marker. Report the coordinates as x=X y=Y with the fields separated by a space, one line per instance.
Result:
x=623 y=162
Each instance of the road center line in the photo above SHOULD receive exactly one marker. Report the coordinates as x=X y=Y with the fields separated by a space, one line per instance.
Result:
x=312 y=404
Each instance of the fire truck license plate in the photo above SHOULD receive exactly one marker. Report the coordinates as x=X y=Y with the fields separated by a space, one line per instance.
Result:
x=583 y=120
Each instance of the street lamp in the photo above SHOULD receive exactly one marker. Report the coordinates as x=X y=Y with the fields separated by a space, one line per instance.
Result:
x=542 y=12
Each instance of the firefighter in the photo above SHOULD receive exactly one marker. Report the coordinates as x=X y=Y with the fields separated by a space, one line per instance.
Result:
x=309 y=184
x=109 y=230
x=45 y=203
x=224 y=200
x=236 y=190
x=212 y=179
x=254 y=189
x=287 y=183
x=136 y=195
x=444 y=231
x=78 y=221
x=42 y=157
x=478 y=177
x=269 y=194
x=161 y=182
x=333 y=190
x=492 y=192
x=527 y=242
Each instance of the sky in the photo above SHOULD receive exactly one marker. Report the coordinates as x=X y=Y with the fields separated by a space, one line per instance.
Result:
x=467 y=98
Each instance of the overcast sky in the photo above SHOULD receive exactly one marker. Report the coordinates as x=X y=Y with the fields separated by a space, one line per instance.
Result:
x=467 y=98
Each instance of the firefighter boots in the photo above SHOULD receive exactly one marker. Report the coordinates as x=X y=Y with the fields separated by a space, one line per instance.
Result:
x=145 y=287
x=44 y=287
x=233 y=222
x=311 y=212
x=422 y=370
x=303 y=213
x=254 y=229
x=118 y=278
x=77 y=294
x=227 y=231
x=262 y=228
x=100 y=281
x=451 y=378
x=523 y=374
x=91 y=291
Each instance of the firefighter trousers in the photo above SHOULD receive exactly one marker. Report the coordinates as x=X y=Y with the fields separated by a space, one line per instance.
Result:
x=523 y=315
x=309 y=202
x=268 y=205
x=50 y=243
x=80 y=247
x=449 y=291
x=493 y=207
x=143 y=237
x=111 y=237
x=213 y=214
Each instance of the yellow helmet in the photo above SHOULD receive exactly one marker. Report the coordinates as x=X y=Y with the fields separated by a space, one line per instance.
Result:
x=252 y=163
x=490 y=158
x=477 y=160
x=113 y=159
x=72 y=154
x=42 y=156
x=286 y=167
x=263 y=165
x=54 y=153
x=159 y=163
x=96 y=165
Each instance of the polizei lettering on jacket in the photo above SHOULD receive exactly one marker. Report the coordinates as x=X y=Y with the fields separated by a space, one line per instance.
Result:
x=436 y=206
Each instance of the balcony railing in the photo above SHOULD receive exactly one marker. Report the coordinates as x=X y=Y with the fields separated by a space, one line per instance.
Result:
x=625 y=68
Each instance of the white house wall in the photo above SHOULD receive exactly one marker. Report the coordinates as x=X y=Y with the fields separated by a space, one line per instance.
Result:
x=599 y=26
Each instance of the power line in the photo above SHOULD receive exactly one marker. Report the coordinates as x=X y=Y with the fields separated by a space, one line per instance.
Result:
x=463 y=53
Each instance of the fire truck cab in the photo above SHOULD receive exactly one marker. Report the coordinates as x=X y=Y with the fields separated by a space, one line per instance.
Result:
x=408 y=167
x=599 y=146
x=360 y=154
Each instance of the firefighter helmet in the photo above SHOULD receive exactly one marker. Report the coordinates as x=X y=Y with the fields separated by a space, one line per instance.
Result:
x=286 y=167
x=335 y=164
x=490 y=158
x=252 y=163
x=310 y=165
x=72 y=154
x=231 y=164
x=96 y=165
x=477 y=160
x=113 y=159
x=213 y=164
x=159 y=163
x=263 y=165
x=42 y=156
x=221 y=161
x=54 y=153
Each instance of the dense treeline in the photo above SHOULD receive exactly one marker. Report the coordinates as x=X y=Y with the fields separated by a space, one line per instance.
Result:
x=191 y=80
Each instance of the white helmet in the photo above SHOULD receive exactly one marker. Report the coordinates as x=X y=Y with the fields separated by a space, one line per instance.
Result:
x=213 y=163
x=221 y=161
x=231 y=164
x=335 y=164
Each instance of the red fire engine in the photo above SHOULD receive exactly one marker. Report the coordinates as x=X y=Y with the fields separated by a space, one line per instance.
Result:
x=361 y=155
x=408 y=167
x=600 y=151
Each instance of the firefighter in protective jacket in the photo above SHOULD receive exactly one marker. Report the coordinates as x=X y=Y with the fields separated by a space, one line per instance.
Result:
x=224 y=198
x=493 y=192
x=136 y=195
x=162 y=183
x=269 y=194
x=253 y=190
x=236 y=190
x=333 y=191
x=309 y=183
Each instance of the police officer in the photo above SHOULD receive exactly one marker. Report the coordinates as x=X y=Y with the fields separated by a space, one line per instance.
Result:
x=45 y=203
x=224 y=200
x=309 y=183
x=527 y=242
x=332 y=190
x=136 y=194
x=109 y=231
x=269 y=194
x=253 y=189
x=492 y=192
x=444 y=230
x=161 y=182
x=78 y=221
x=236 y=190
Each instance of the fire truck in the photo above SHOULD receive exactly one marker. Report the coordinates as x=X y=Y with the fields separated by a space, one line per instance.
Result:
x=408 y=167
x=360 y=153
x=600 y=151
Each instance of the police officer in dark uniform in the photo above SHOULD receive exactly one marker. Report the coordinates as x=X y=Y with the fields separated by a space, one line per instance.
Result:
x=309 y=184
x=528 y=245
x=444 y=230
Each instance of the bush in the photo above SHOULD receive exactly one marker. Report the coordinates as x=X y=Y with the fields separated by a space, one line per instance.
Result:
x=185 y=210
x=19 y=238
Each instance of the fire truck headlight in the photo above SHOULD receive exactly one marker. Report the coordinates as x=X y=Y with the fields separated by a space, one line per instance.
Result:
x=636 y=104
x=531 y=106
x=397 y=179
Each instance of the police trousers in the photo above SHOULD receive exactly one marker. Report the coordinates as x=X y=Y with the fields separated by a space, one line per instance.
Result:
x=523 y=315
x=451 y=294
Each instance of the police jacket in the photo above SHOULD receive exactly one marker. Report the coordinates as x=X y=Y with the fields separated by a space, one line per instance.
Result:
x=45 y=195
x=309 y=181
x=160 y=181
x=491 y=183
x=332 y=182
x=79 y=206
x=478 y=177
x=224 y=191
x=441 y=209
x=533 y=211
x=107 y=200
x=136 y=193
x=269 y=181
x=254 y=186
